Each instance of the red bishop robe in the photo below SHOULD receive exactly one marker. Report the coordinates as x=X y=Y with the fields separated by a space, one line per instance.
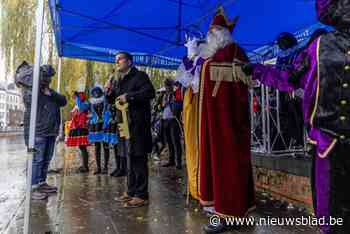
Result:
x=225 y=172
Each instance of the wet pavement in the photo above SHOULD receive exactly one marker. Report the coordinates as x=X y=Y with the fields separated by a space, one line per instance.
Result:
x=12 y=179
x=86 y=203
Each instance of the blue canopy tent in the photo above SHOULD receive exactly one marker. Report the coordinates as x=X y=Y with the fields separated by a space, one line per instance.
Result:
x=155 y=30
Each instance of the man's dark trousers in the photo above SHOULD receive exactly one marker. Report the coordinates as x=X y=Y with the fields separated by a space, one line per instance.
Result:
x=137 y=176
x=172 y=133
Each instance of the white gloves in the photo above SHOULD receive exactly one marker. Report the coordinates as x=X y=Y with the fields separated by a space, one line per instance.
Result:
x=192 y=47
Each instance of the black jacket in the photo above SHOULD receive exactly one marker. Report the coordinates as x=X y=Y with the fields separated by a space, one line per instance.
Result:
x=48 y=117
x=333 y=111
x=139 y=92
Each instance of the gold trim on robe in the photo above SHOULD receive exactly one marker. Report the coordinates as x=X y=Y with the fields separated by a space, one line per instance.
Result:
x=190 y=123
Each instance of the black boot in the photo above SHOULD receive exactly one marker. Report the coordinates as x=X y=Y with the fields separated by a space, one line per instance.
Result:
x=219 y=227
x=83 y=169
x=114 y=172
x=122 y=168
x=98 y=171
x=98 y=158
x=85 y=160
x=106 y=157
x=105 y=168
x=178 y=164
x=117 y=165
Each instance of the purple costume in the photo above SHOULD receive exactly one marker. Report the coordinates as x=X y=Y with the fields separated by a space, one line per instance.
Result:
x=270 y=76
x=322 y=70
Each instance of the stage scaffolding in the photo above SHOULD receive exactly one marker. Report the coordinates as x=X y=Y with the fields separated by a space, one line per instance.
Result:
x=266 y=121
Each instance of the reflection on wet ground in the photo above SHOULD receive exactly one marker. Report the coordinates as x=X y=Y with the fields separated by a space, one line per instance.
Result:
x=86 y=204
x=12 y=179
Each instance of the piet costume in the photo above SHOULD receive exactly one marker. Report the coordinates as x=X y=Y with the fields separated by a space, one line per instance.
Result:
x=292 y=133
x=103 y=126
x=322 y=70
x=225 y=171
x=78 y=131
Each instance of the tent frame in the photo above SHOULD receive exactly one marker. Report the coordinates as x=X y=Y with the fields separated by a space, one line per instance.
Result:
x=33 y=112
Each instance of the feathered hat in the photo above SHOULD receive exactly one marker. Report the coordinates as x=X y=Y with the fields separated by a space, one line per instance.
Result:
x=96 y=95
x=334 y=12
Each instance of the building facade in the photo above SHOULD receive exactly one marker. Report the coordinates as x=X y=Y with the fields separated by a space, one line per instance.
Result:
x=11 y=106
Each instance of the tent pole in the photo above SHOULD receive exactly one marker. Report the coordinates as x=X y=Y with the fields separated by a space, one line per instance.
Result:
x=54 y=168
x=59 y=74
x=179 y=23
x=34 y=104
x=59 y=78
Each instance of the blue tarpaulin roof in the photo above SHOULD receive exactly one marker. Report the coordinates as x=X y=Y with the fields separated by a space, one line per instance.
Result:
x=155 y=30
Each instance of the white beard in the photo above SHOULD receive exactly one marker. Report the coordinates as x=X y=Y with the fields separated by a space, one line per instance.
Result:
x=215 y=40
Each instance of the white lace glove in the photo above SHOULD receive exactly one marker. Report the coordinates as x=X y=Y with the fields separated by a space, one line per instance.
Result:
x=192 y=47
x=182 y=76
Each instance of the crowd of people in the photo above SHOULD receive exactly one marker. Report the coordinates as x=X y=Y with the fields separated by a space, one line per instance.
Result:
x=206 y=106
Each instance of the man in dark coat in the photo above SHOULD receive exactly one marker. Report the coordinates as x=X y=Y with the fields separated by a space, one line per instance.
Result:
x=135 y=88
